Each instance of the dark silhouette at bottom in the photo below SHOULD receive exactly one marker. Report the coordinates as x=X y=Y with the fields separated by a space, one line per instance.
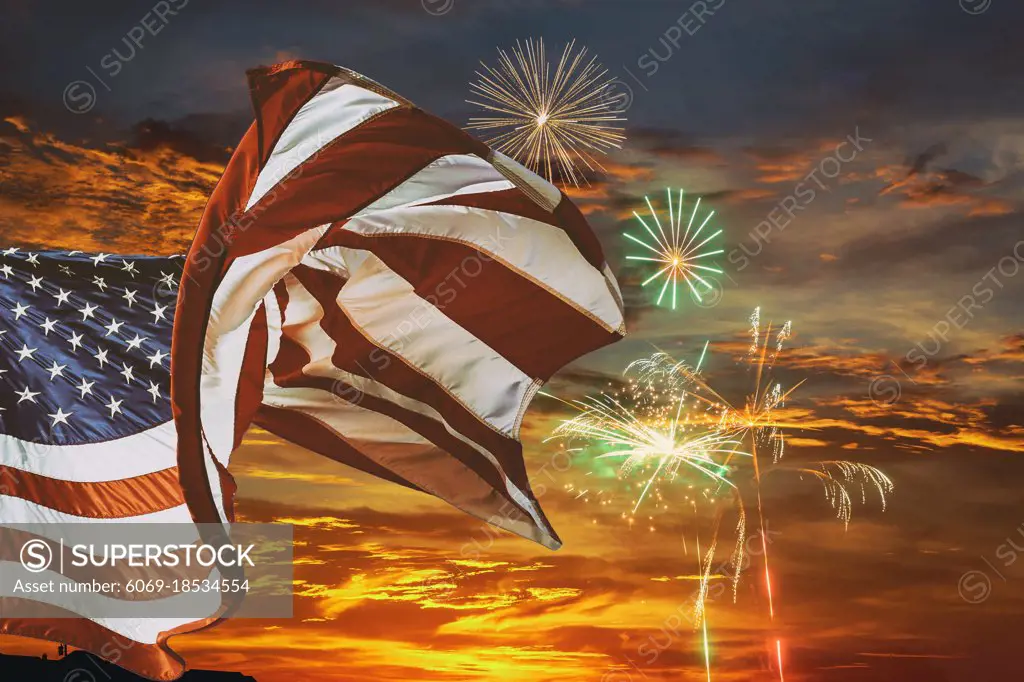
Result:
x=79 y=666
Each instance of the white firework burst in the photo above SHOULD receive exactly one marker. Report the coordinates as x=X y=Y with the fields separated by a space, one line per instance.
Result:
x=553 y=119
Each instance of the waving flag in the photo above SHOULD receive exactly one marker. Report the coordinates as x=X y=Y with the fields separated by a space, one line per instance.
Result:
x=86 y=433
x=367 y=281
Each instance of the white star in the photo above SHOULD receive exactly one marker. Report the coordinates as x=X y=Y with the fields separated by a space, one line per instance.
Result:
x=101 y=355
x=136 y=342
x=129 y=296
x=19 y=310
x=127 y=373
x=35 y=283
x=7 y=270
x=158 y=313
x=75 y=341
x=153 y=390
x=85 y=387
x=33 y=259
x=167 y=279
x=99 y=258
x=113 y=328
x=62 y=297
x=156 y=358
x=87 y=311
x=26 y=395
x=114 y=406
x=100 y=282
x=47 y=326
x=66 y=270
x=25 y=352
x=61 y=417
x=11 y=251
x=129 y=268
x=56 y=370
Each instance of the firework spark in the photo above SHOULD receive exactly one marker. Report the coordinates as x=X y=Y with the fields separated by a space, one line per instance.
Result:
x=554 y=120
x=839 y=477
x=683 y=255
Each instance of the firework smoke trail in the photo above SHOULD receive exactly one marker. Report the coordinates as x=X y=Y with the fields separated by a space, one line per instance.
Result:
x=771 y=399
x=554 y=123
x=700 y=607
x=676 y=251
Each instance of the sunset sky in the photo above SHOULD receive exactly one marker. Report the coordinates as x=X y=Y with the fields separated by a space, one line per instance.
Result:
x=900 y=263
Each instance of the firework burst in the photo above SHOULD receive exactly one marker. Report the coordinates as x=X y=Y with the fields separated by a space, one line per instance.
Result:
x=683 y=256
x=649 y=426
x=556 y=119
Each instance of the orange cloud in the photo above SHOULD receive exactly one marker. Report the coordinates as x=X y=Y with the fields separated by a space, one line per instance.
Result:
x=99 y=198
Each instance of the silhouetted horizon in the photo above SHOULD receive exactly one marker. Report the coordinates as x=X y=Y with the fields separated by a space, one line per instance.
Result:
x=90 y=668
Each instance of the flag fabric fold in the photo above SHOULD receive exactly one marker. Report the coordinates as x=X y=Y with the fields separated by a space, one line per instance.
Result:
x=367 y=281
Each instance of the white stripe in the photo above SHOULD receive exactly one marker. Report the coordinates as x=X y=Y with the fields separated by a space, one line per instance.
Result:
x=444 y=178
x=128 y=457
x=386 y=309
x=336 y=109
x=539 y=251
x=14 y=510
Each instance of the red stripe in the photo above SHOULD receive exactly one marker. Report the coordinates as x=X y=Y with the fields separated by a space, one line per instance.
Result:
x=565 y=216
x=510 y=313
x=348 y=174
x=277 y=93
x=119 y=499
x=572 y=221
x=358 y=355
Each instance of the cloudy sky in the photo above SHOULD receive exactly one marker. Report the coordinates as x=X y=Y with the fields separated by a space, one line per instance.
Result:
x=866 y=161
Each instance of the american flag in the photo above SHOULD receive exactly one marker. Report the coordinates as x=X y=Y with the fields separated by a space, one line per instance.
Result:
x=86 y=433
x=369 y=282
